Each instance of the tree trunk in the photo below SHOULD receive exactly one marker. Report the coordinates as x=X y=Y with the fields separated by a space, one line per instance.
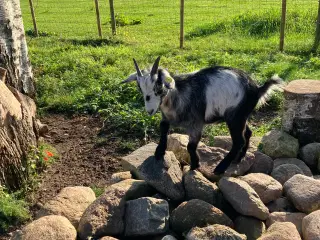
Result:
x=18 y=129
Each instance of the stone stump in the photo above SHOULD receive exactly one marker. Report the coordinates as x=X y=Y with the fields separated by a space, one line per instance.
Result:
x=301 y=117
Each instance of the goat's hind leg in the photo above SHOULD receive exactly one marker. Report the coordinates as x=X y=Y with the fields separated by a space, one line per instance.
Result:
x=247 y=135
x=194 y=139
x=162 y=146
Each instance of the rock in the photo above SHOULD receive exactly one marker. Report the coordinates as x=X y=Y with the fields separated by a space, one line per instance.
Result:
x=243 y=198
x=278 y=144
x=146 y=216
x=177 y=143
x=164 y=175
x=225 y=142
x=303 y=192
x=284 y=172
x=262 y=163
x=120 y=176
x=310 y=154
x=317 y=177
x=249 y=226
x=300 y=164
x=265 y=186
x=168 y=237
x=295 y=218
x=134 y=160
x=198 y=187
x=214 y=232
x=42 y=128
x=196 y=213
x=105 y=215
x=108 y=238
x=71 y=203
x=49 y=228
x=281 y=231
x=281 y=205
x=311 y=226
x=210 y=157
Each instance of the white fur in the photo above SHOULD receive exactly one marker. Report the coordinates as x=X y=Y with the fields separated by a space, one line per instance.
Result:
x=224 y=92
x=273 y=88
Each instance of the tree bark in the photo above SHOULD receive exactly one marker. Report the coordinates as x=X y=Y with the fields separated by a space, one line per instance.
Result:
x=18 y=128
x=13 y=48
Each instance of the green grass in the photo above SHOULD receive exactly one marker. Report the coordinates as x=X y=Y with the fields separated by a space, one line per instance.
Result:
x=75 y=72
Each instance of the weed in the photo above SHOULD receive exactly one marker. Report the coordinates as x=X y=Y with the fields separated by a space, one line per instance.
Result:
x=97 y=190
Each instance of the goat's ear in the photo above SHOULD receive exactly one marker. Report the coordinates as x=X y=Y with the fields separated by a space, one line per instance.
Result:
x=137 y=68
x=132 y=77
x=155 y=67
x=165 y=78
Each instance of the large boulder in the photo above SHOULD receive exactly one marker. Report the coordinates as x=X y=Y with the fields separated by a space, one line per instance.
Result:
x=295 y=218
x=300 y=164
x=146 y=216
x=243 y=198
x=310 y=154
x=281 y=231
x=49 y=228
x=265 y=186
x=225 y=142
x=197 y=213
x=216 y=232
x=120 y=176
x=278 y=144
x=165 y=175
x=251 y=227
x=311 y=226
x=284 y=172
x=104 y=217
x=71 y=203
x=303 y=192
x=262 y=163
x=281 y=205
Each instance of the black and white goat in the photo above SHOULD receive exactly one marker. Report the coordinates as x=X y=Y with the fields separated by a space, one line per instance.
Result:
x=207 y=96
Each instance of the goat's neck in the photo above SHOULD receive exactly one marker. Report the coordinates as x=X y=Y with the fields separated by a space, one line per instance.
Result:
x=169 y=104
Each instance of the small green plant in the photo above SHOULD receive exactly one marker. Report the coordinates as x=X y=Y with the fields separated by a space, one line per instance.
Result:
x=122 y=20
x=97 y=190
x=12 y=210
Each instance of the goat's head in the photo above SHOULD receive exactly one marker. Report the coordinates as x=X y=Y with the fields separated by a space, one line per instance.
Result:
x=152 y=84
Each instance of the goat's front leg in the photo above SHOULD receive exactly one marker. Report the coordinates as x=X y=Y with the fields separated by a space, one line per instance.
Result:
x=162 y=146
x=194 y=139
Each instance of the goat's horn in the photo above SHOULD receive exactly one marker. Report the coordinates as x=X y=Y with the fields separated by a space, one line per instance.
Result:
x=137 y=68
x=155 y=66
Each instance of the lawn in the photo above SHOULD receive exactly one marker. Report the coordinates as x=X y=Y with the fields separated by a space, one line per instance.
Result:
x=78 y=73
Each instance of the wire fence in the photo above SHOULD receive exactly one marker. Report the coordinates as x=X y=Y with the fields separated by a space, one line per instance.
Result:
x=146 y=20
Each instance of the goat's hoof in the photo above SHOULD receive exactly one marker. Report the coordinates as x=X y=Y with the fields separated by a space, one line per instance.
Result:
x=194 y=166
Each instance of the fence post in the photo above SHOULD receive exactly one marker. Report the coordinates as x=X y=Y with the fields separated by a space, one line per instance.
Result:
x=96 y=2
x=181 y=23
x=113 y=20
x=317 y=38
x=33 y=18
x=283 y=23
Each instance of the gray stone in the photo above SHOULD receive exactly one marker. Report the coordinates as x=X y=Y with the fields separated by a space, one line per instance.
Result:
x=196 y=213
x=108 y=238
x=225 y=142
x=71 y=203
x=281 y=205
x=105 y=215
x=251 y=227
x=295 y=218
x=49 y=228
x=146 y=216
x=303 y=192
x=284 y=172
x=243 y=198
x=310 y=154
x=280 y=161
x=317 y=177
x=214 y=232
x=120 y=176
x=311 y=226
x=262 y=163
x=265 y=186
x=278 y=144
x=281 y=231
x=168 y=237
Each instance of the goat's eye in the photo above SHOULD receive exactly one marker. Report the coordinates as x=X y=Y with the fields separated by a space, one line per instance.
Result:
x=147 y=98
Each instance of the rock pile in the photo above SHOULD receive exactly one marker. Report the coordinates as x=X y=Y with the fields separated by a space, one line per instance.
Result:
x=259 y=198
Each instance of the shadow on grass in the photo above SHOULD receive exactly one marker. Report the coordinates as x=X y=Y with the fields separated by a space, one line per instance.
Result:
x=93 y=42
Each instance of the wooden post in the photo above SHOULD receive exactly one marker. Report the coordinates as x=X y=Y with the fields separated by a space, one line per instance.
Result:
x=317 y=37
x=283 y=23
x=33 y=18
x=181 y=23
x=98 y=17
x=113 y=19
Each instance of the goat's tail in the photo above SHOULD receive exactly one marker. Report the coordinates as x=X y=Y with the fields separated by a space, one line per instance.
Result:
x=275 y=83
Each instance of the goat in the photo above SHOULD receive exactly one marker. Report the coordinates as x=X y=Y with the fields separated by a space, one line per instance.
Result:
x=192 y=100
